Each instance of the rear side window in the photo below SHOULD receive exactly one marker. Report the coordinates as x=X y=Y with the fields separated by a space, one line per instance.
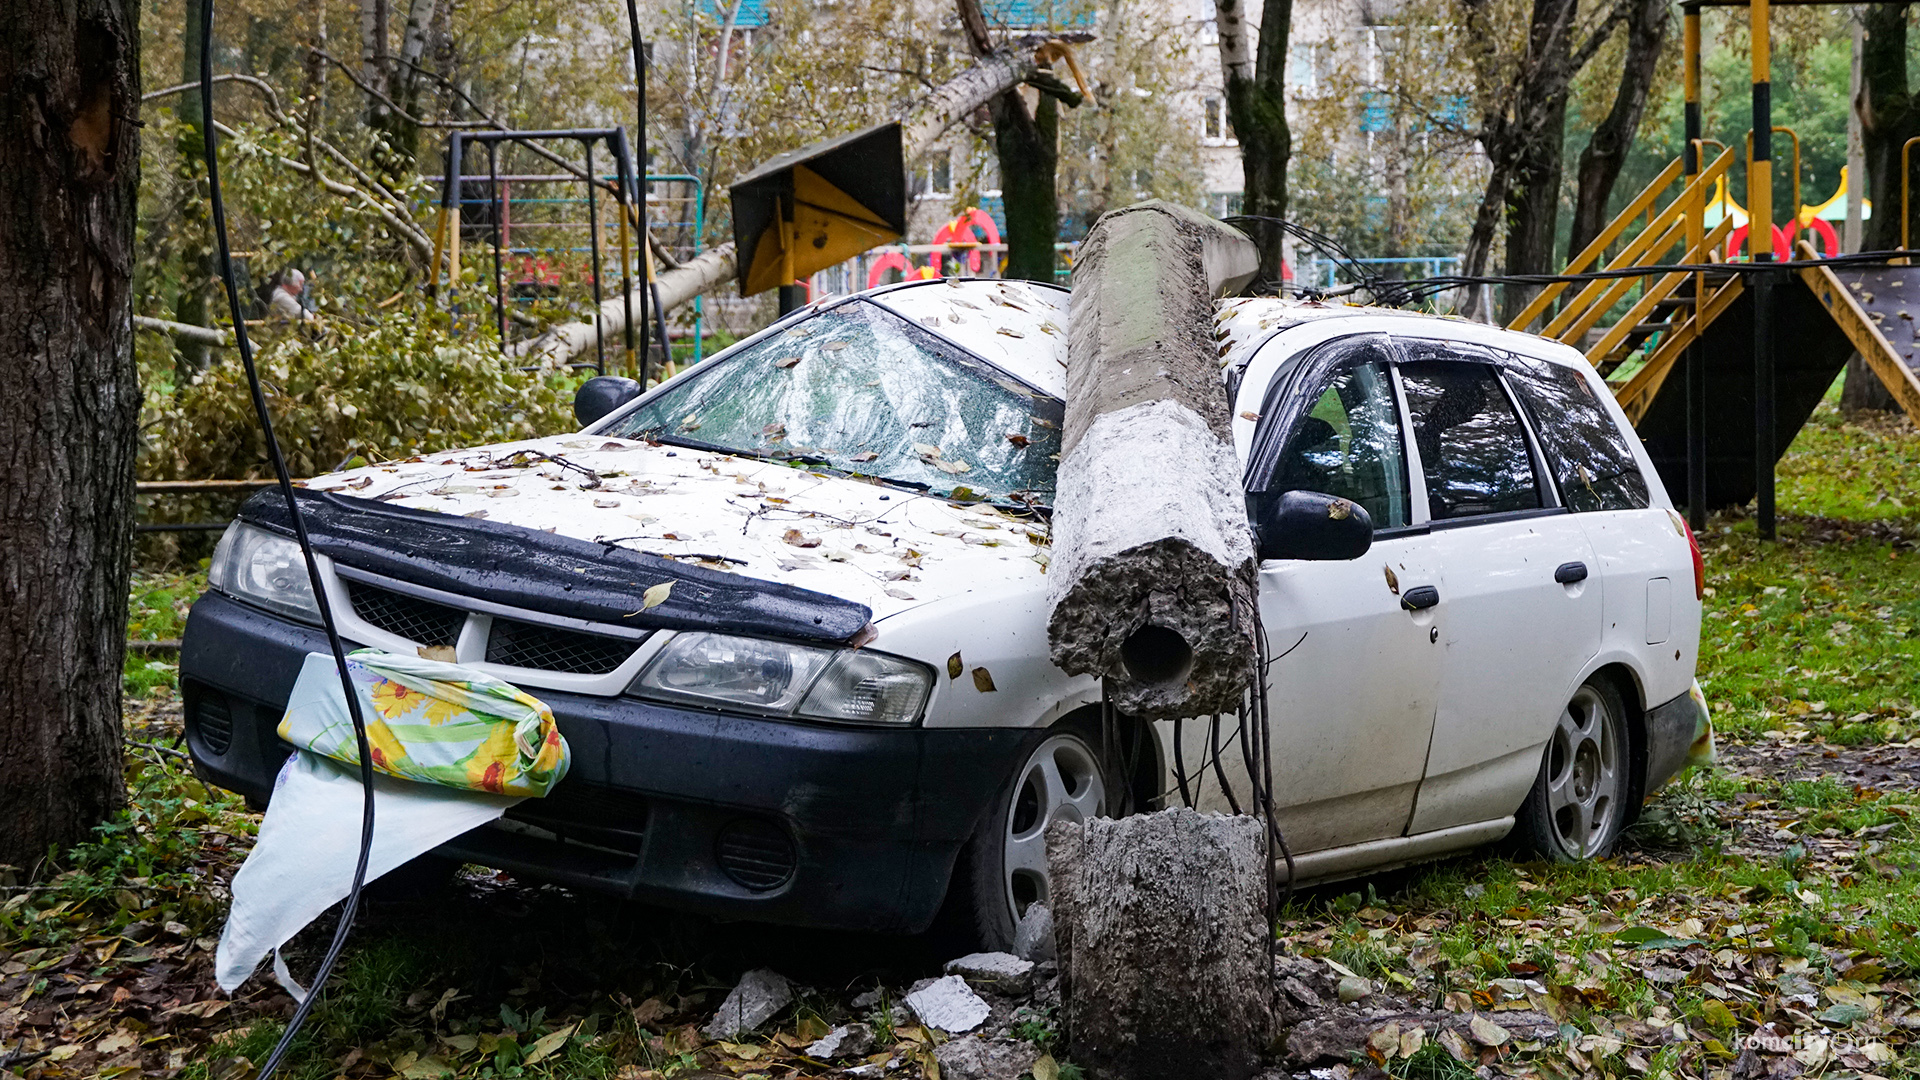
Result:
x=1587 y=451
x=1472 y=447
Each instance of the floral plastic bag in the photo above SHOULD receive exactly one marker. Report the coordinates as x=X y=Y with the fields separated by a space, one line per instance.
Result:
x=429 y=721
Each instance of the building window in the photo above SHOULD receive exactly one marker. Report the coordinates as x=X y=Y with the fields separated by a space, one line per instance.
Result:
x=932 y=175
x=1213 y=119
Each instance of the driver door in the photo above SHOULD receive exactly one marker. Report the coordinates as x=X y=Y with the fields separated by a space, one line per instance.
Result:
x=1354 y=676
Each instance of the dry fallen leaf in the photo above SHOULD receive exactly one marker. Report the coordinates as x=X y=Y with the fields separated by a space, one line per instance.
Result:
x=926 y=450
x=800 y=539
x=442 y=653
x=545 y=1046
x=1393 y=581
x=786 y=361
x=955 y=666
x=1486 y=1032
x=656 y=595
x=1018 y=440
x=864 y=455
x=983 y=680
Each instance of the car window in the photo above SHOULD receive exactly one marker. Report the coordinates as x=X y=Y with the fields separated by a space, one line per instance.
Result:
x=1587 y=451
x=1348 y=444
x=1472 y=448
x=864 y=391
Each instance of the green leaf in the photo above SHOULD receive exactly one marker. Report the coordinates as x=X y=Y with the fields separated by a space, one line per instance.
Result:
x=1842 y=1014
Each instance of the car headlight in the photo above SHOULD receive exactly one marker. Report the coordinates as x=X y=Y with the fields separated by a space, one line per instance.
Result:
x=265 y=569
x=846 y=685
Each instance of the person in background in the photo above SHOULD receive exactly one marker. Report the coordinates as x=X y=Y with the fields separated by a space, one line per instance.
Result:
x=284 y=300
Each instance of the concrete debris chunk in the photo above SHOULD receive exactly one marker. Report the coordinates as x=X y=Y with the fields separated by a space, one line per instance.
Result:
x=1033 y=938
x=756 y=999
x=847 y=1040
x=1352 y=988
x=948 y=1004
x=999 y=972
x=975 y=1058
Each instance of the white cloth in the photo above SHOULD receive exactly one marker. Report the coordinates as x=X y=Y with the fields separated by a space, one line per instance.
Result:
x=302 y=862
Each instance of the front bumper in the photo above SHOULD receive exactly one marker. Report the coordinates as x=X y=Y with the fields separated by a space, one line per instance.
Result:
x=742 y=817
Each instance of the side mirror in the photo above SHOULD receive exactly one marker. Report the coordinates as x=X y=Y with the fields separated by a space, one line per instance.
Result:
x=1309 y=525
x=601 y=395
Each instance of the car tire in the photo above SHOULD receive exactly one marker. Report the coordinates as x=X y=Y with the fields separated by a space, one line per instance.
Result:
x=1578 y=804
x=1002 y=870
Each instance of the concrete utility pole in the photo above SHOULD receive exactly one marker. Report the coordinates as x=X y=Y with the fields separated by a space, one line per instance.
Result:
x=1152 y=578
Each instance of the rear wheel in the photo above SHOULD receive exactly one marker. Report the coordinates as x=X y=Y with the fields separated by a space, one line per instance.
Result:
x=1578 y=803
x=1003 y=870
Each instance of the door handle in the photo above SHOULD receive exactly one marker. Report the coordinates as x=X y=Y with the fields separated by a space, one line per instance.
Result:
x=1420 y=598
x=1569 y=572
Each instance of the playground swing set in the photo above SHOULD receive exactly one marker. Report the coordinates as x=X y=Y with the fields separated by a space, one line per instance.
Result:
x=1756 y=349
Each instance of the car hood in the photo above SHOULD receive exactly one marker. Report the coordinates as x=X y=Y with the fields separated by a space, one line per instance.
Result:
x=887 y=548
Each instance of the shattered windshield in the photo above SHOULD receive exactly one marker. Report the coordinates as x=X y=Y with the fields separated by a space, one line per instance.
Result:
x=861 y=390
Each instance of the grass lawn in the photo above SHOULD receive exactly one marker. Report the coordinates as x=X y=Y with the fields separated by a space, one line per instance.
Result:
x=1772 y=895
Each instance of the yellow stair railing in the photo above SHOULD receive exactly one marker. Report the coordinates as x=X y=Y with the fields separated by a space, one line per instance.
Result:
x=1681 y=222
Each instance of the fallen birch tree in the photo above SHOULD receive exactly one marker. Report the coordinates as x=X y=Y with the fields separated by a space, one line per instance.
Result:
x=946 y=105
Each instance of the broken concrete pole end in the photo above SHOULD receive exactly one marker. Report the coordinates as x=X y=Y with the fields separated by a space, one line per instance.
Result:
x=1152 y=579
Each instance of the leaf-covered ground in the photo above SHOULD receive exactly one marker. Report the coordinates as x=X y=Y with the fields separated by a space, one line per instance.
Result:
x=1762 y=921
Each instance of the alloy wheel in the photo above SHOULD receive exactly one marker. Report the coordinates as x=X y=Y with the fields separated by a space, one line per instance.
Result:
x=1585 y=765
x=1060 y=781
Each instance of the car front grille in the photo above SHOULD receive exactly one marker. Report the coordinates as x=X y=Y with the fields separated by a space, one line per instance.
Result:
x=410 y=617
x=549 y=648
x=511 y=642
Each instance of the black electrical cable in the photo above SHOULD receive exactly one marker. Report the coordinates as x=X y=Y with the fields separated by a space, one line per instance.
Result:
x=1180 y=763
x=210 y=141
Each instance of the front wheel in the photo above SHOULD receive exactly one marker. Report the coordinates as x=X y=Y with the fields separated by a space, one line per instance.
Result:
x=1003 y=870
x=1578 y=803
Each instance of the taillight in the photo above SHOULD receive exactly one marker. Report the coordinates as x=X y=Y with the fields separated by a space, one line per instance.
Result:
x=1699 y=563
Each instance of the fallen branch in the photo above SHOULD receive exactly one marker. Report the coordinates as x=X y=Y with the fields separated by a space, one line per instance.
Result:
x=198 y=335
x=677 y=286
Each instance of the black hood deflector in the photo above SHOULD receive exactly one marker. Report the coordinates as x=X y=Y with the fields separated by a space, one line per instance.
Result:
x=559 y=575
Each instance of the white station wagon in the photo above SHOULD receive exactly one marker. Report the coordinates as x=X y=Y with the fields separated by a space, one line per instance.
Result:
x=845 y=715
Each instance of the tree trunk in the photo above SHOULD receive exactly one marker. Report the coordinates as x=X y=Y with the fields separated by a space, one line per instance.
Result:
x=1606 y=152
x=69 y=411
x=1257 y=109
x=1533 y=192
x=1889 y=116
x=1161 y=930
x=1028 y=147
x=1029 y=151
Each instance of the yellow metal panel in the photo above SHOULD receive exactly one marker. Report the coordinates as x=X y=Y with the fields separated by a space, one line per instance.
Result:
x=828 y=228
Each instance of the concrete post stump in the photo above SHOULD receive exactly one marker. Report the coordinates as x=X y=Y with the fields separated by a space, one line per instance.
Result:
x=1160 y=924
